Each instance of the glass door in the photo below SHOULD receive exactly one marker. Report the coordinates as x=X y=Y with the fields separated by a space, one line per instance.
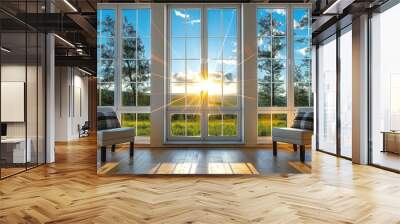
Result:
x=327 y=72
x=204 y=82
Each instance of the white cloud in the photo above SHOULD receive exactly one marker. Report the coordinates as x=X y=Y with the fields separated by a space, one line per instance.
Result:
x=296 y=24
x=181 y=14
x=193 y=21
x=230 y=62
x=303 y=51
x=280 y=11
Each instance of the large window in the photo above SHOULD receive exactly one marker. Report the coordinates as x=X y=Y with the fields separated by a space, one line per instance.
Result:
x=282 y=88
x=124 y=62
x=203 y=94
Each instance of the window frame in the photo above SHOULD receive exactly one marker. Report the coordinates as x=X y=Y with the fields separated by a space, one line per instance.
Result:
x=118 y=107
x=290 y=109
x=205 y=110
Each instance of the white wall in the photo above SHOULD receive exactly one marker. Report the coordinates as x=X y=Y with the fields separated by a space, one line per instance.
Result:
x=71 y=102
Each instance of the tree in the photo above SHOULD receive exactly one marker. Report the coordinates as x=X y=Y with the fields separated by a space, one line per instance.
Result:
x=274 y=87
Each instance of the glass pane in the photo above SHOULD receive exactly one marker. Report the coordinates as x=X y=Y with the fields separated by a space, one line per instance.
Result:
x=193 y=23
x=278 y=22
x=215 y=27
x=106 y=46
x=178 y=125
x=230 y=125
x=346 y=109
x=106 y=22
x=214 y=70
x=178 y=71
x=301 y=22
x=193 y=94
x=215 y=125
x=129 y=48
x=263 y=22
x=279 y=47
x=105 y=71
x=278 y=70
x=128 y=120
x=143 y=71
x=230 y=48
x=278 y=94
x=178 y=22
x=143 y=124
x=214 y=90
x=178 y=48
x=302 y=95
x=230 y=71
x=302 y=47
x=230 y=94
x=215 y=48
x=193 y=125
x=302 y=70
x=264 y=47
x=144 y=22
x=177 y=94
x=129 y=94
x=129 y=23
x=264 y=95
x=229 y=22
x=128 y=71
x=193 y=68
x=264 y=70
x=106 y=94
x=193 y=48
x=279 y=120
x=143 y=94
x=143 y=48
x=327 y=97
x=264 y=125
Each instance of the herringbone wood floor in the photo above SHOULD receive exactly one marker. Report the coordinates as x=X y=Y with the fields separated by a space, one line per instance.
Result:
x=71 y=192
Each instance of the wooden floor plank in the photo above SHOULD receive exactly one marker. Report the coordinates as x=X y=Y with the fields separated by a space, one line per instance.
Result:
x=70 y=191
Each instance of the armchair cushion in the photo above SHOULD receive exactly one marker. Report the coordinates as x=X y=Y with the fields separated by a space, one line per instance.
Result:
x=304 y=120
x=107 y=120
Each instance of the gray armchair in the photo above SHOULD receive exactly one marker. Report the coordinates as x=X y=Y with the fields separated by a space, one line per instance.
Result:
x=299 y=134
x=109 y=132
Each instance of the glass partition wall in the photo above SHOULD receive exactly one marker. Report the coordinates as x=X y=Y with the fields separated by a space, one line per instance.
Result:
x=334 y=100
x=22 y=77
x=385 y=90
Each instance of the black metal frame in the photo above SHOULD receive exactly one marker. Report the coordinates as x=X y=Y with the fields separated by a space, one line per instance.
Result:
x=37 y=164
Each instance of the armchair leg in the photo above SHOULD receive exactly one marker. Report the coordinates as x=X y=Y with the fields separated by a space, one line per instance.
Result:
x=131 y=149
x=302 y=153
x=275 y=148
x=113 y=148
x=295 y=147
x=103 y=152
